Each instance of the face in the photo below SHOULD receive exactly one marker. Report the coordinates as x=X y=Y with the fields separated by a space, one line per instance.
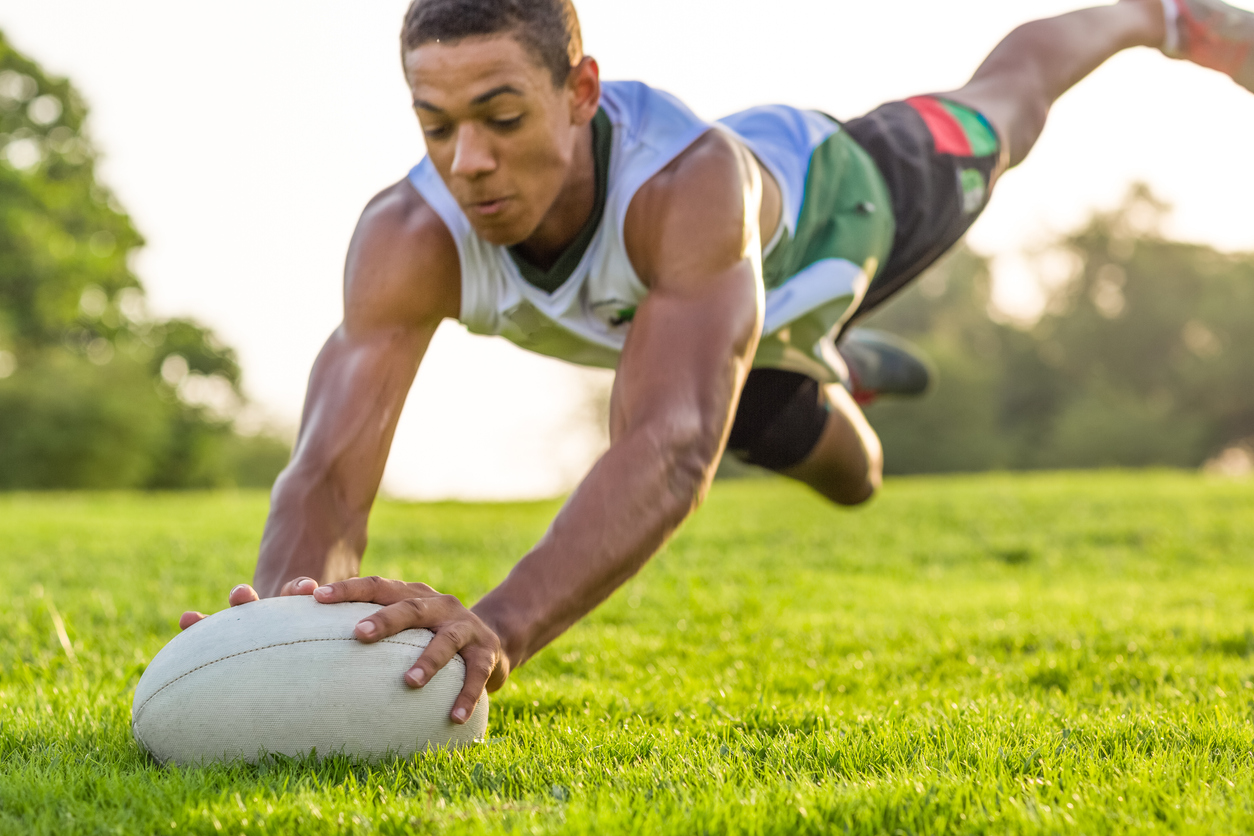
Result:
x=499 y=133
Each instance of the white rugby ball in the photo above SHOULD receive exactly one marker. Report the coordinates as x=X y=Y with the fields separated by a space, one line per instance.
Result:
x=287 y=676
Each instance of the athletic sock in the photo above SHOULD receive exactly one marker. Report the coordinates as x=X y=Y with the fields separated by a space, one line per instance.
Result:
x=1171 y=18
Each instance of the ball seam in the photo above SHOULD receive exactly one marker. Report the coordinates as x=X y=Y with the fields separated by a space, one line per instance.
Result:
x=138 y=711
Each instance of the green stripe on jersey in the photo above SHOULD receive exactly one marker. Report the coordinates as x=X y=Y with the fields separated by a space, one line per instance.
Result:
x=979 y=133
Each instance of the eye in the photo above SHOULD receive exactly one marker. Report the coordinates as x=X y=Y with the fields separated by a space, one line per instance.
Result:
x=436 y=131
x=507 y=123
x=432 y=126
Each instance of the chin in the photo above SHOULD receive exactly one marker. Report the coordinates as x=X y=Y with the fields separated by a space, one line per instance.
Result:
x=502 y=234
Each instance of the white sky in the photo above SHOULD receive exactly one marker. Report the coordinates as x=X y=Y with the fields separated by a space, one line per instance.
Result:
x=244 y=138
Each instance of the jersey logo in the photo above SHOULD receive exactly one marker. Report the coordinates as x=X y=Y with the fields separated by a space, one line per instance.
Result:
x=615 y=312
x=527 y=321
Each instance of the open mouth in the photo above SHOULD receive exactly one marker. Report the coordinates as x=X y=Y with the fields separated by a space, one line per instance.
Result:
x=488 y=208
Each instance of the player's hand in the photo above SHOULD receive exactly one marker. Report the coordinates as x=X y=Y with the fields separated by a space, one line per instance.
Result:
x=457 y=630
x=245 y=594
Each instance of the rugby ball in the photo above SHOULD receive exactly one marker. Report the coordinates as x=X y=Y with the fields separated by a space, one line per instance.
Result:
x=287 y=676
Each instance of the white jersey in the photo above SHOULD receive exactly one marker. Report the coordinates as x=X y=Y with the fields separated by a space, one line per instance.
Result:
x=586 y=319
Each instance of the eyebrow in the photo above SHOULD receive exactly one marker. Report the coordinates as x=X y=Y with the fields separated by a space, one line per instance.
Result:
x=482 y=98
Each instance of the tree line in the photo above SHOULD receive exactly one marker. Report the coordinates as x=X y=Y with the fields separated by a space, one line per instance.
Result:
x=95 y=392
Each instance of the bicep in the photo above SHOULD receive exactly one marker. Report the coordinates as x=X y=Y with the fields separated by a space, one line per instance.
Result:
x=362 y=376
x=688 y=353
x=400 y=281
x=693 y=338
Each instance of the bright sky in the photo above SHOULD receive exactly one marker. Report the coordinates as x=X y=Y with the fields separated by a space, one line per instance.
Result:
x=245 y=137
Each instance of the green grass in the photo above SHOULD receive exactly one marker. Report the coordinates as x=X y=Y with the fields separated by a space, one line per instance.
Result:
x=1053 y=653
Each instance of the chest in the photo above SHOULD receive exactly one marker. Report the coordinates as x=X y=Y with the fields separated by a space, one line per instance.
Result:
x=585 y=320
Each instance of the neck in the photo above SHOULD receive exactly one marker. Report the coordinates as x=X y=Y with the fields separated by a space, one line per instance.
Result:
x=569 y=212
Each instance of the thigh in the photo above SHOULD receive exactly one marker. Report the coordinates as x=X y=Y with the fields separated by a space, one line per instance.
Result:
x=940 y=160
x=792 y=424
x=779 y=420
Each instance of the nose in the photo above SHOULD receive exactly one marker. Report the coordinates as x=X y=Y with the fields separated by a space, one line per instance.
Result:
x=472 y=155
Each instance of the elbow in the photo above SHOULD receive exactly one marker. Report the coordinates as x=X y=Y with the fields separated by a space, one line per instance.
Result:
x=314 y=488
x=297 y=479
x=691 y=456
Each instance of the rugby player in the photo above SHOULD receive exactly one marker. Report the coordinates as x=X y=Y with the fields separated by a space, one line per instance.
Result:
x=715 y=267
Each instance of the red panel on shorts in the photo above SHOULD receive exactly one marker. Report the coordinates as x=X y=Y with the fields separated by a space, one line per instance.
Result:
x=947 y=134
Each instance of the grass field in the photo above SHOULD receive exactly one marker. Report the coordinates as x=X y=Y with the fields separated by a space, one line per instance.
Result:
x=1054 y=653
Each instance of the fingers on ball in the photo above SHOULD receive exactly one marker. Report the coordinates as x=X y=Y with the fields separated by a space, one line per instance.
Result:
x=438 y=653
x=392 y=619
x=371 y=589
x=242 y=594
x=189 y=618
x=298 y=586
x=479 y=668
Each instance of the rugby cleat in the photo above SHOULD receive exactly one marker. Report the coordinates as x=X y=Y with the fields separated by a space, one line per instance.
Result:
x=880 y=364
x=1212 y=34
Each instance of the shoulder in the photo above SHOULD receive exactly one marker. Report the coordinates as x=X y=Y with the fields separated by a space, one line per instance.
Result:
x=402 y=265
x=644 y=110
x=697 y=205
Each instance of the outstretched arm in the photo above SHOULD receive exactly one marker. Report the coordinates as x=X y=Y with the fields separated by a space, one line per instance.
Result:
x=690 y=347
x=400 y=281
x=692 y=236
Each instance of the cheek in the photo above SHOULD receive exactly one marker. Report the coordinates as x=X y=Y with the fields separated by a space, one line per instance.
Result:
x=536 y=166
x=538 y=159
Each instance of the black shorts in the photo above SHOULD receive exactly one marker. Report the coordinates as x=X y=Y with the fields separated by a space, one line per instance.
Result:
x=940 y=161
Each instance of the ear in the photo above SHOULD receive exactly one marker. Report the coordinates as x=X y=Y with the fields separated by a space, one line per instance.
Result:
x=583 y=89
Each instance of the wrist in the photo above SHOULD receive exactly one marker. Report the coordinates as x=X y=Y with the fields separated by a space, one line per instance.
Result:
x=306 y=536
x=509 y=622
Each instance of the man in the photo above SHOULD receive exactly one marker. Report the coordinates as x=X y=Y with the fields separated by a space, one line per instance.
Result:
x=710 y=265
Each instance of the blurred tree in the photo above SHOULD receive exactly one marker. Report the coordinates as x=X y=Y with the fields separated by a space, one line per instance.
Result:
x=94 y=392
x=65 y=422
x=1140 y=358
x=1150 y=343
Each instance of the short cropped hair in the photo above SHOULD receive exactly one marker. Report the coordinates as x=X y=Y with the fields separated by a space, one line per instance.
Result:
x=548 y=29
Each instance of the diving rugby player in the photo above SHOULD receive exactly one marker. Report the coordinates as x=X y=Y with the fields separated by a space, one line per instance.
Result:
x=714 y=266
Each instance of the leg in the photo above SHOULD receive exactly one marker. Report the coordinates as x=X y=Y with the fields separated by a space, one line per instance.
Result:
x=787 y=423
x=1036 y=63
x=923 y=148
x=1013 y=90
x=940 y=167
x=847 y=464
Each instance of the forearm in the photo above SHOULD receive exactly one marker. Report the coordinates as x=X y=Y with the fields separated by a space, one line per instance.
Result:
x=625 y=509
x=312 y=531
x=321 y=501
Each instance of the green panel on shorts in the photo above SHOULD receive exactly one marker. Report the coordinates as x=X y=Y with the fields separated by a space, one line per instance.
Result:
x=979 y=133
x=846 y=213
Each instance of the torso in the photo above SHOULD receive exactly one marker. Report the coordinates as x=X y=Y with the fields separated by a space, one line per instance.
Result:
x=817 y=260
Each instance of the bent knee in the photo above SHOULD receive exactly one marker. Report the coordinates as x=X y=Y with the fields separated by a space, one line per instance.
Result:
x=860 y=492
x=848 y=486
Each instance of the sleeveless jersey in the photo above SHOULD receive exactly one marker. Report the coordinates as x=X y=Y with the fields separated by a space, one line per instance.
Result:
x=835 y=231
